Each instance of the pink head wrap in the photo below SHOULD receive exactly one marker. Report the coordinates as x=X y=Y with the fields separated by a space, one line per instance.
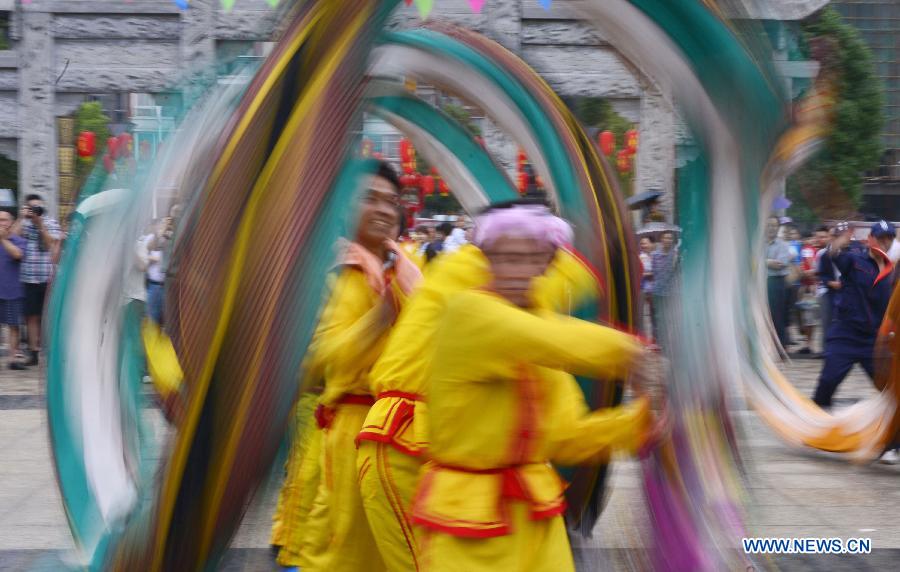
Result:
x=522 y=221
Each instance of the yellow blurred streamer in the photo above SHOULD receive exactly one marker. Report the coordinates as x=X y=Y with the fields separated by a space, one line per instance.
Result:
x=161 y=360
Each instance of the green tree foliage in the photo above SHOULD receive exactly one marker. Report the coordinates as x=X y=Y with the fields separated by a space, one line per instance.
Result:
x=4 y=32
x=90 y=117
x=830 y=186
x=9 y=174
x=599 y=113
x=463 y=117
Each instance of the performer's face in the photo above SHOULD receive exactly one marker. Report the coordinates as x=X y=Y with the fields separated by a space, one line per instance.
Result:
x=379 y=216
x=515 y=262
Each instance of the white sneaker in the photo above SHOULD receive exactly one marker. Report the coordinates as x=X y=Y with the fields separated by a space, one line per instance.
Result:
x=890 y=457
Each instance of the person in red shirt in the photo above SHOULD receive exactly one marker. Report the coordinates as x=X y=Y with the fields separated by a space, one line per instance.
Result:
x=808 y=283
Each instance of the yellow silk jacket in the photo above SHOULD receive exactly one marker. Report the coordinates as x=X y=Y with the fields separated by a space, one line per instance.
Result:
x=399 y=376
x=501 y=408
x=350 y=336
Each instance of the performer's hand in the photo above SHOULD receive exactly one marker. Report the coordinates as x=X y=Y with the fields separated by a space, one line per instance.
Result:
x=639 y=377
x=658 y=431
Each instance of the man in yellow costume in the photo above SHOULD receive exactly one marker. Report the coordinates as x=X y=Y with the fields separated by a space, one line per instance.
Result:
x=500 y=409
x=367 y=293
x=393 y=439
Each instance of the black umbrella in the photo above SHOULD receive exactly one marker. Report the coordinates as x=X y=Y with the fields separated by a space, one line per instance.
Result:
x=641 y=200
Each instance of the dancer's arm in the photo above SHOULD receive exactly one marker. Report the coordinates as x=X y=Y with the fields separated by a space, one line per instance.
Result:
x=580 y=436
x=483 y=326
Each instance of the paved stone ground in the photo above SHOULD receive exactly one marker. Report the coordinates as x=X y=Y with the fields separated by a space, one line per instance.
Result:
x=791 y=493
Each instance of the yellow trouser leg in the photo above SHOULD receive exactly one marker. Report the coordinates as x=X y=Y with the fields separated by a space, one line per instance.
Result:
x=299 y=491
x=532 y=546
x=387 y=482
x=342 y=538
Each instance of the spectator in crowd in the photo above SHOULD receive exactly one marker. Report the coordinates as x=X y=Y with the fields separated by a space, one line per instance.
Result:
x=646 y=255
x=457 y=237
x=829 y=282
x=791 y=236
x=436 y=246
x=807 y=299
x=663 y=261
x=426 y=236
x=156 y=245
x=860 y=304
x=10 y=287
x=42 y=235
x=778 y=263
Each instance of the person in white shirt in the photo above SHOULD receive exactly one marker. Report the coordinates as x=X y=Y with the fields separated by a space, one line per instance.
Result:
x=156 y=245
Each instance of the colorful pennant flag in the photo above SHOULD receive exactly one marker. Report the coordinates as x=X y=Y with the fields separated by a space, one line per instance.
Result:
x=228 y=5
x=424 y=7
x=476 y=5
x=545 y=4
x=183 y=4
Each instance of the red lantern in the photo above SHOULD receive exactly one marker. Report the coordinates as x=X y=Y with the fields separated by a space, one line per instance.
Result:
x=126 y=145
x=480 y=141
x=607 y=141
x=445 y=190
x=631 y=141
x=521 y=159
x=407 y=151
x=623 y=161
x=404 y=150
x=112 y=148
x=428 y=185
x=87 y=143
x=522 y=183
x=108 y=163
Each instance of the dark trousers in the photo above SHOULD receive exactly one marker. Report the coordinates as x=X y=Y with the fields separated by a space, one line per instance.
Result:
x=155 y=301
x=659 y=307
x=777 y=290
x=839 y=360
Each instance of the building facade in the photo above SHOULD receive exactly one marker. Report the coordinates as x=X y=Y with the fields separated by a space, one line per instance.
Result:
x=878 y=21
x=65 y=51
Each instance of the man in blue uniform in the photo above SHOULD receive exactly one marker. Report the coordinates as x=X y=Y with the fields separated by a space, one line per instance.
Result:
x=859 y=306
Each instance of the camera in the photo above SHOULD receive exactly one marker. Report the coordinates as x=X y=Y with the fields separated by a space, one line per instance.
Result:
x=36 y=210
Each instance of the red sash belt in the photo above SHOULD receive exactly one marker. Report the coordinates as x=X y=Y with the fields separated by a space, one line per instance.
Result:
x=353 y=399
x=325 y=414
x=512 y=486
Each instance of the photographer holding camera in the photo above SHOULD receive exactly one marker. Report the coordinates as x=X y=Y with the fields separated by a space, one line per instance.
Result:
x=42 y=235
